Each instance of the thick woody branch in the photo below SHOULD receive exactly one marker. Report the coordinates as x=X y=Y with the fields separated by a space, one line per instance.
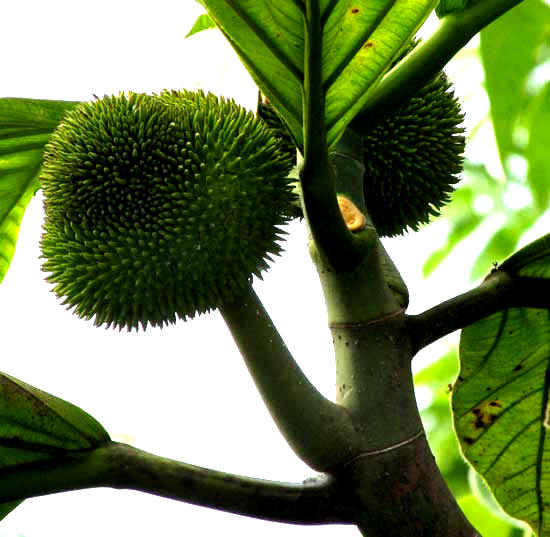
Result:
x=497 y=292
x=122 y=466
x=320 y=432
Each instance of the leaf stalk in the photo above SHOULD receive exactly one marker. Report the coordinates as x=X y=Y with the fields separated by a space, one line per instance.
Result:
x=317 y=175
x=499 y=291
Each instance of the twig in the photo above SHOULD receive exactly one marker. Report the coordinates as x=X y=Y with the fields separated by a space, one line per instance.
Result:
x=497 y=292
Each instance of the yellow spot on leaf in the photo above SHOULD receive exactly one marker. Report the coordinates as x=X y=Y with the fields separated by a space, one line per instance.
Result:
x=486 y=413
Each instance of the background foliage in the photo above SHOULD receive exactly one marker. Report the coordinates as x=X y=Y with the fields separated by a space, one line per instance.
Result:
x=501 y=204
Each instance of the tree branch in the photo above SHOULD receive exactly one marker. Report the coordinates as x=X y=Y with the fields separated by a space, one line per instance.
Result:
x=319 y=431
x=122 y=466
x=429 y=57
x=497 y=292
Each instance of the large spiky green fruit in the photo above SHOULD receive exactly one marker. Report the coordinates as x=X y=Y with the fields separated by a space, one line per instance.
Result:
x=413 y=158
x=160 y=207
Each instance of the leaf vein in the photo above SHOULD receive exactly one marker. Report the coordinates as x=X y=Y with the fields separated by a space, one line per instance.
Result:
x=507 y=445
x=264 y=38
x=367 y=32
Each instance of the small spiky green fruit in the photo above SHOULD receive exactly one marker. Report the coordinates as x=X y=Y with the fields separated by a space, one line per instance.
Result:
x=160 y=207
x=413 y=157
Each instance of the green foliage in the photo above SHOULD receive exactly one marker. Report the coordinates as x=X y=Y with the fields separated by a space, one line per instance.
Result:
x=463 y=220
x=148 y=199
x=25 y=128
x=504 y=240
x=36 y=426
x=512 y=52
x=531 y=261
x=359 y=42
x=437 y=419
x=203 y=22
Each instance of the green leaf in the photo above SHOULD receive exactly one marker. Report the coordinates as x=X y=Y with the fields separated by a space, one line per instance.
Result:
x=532 y=260
x=485 y=522
x=203 y=22
x=25 y=128
x=269 y=38
x=485 y=497
x=359 y=41
x=36 y=426
x=500 y=402
x=509 y=48
x=500 y=409
x=537 y=150
x=34 y=421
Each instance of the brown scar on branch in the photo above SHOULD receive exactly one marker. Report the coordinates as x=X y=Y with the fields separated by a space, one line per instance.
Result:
x=355 y=220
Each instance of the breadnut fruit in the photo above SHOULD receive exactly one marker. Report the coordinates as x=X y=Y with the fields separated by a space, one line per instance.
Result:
x=159 y=207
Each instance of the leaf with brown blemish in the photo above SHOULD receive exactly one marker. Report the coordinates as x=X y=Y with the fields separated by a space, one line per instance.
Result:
x=501 y=413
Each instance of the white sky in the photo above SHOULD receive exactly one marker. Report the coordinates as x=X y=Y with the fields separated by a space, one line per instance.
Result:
x=181 y=392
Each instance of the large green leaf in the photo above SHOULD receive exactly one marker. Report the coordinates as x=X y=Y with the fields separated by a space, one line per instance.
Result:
x=500 y=410
x=359 y=41
x=532 y=260
x=509 y=48
x=25 y=128
x=500 y=401
x=36 y=426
